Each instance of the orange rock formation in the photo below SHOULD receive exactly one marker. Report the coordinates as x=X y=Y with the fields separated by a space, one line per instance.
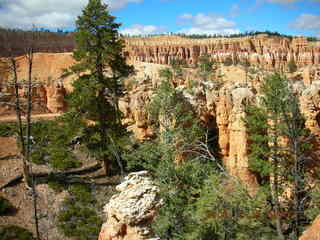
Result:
x=268 y=52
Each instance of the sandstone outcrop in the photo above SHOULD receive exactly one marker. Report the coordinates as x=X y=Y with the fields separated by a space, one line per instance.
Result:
x=269 y=52
x=218 y=109
x=49 y=88
x=310 y=106
x=130 y=212
x=313 y=232
x=56 y=98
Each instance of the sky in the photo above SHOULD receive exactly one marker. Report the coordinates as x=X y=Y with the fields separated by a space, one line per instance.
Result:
x=292 y=17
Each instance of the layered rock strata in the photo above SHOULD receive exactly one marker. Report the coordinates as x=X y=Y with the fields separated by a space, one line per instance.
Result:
x=269 y=52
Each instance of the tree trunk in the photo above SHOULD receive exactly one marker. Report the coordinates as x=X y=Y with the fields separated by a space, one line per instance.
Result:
x=107 y=166
x=29 y=56
x=298 y=189
x=274 y=182
x=25 y=167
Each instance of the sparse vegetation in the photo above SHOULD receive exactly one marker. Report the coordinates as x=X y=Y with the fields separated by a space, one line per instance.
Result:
x=5 y=206
x=79 y=216
x=14 y=232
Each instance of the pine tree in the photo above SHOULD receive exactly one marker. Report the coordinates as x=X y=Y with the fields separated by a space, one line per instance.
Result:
x=278 y=152
x=173 y=159
x=101 y=69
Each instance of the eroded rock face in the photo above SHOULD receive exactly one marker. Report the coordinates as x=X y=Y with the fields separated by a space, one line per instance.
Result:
x=49 y=87
x=56 y=98
x=222 y=109
x=269 y=52
x=130 y=212
x=313 y=232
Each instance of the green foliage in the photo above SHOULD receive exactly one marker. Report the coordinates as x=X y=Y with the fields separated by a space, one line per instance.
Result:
x=313 y=210
x=5 y=206
x=96 y=93
x=278 y=116
x=292 y=66
x=180 y=187
x=313 y=39
x=55 y=183
x=7 y=129
x=166 y=74
x=177 y=142
x=201 y=36
x=176 y=65
x=62 y=159
x=225 y=210
x=52 y=142
x=14 y=232
x=278 y=153
x=256 y=119
x=78 y=217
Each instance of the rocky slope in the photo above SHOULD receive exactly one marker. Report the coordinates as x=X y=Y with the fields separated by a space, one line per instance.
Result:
x=269 y=52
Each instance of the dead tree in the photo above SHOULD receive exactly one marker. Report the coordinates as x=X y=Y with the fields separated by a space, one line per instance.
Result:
x=21 y=107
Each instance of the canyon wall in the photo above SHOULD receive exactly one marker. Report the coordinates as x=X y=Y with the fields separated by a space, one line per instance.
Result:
x=269 y=52
x=220 y=108
x=49 y=89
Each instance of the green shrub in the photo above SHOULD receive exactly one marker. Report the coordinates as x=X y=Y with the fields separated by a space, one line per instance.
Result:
x=226 y=210
x=7 y=129
x=5 y=206
x=55 y=183
x=79 y=218
x=62 y=159
x=37 y=156
x=14 y=233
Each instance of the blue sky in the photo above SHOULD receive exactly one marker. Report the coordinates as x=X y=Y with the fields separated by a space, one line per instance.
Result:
x=294 y=17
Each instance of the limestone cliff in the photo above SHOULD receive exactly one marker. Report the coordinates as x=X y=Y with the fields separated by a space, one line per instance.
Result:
x=269 y=52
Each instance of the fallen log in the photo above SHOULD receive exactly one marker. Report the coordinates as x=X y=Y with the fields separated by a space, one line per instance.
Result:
x=59 y=174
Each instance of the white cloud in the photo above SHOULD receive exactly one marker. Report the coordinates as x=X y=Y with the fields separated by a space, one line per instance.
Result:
x=47 y=13
x=318 y=36
x=306 y=22
x=118 y=4
x=207 y=24
x=138 y=29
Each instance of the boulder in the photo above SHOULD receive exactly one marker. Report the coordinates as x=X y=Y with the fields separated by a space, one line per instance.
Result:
x=131 y=212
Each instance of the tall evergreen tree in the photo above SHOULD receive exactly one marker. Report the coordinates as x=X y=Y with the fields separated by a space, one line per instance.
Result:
x=101 y=68
x=278 y=152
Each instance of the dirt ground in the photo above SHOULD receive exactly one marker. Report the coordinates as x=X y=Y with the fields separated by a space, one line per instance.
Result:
x=44 y=116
